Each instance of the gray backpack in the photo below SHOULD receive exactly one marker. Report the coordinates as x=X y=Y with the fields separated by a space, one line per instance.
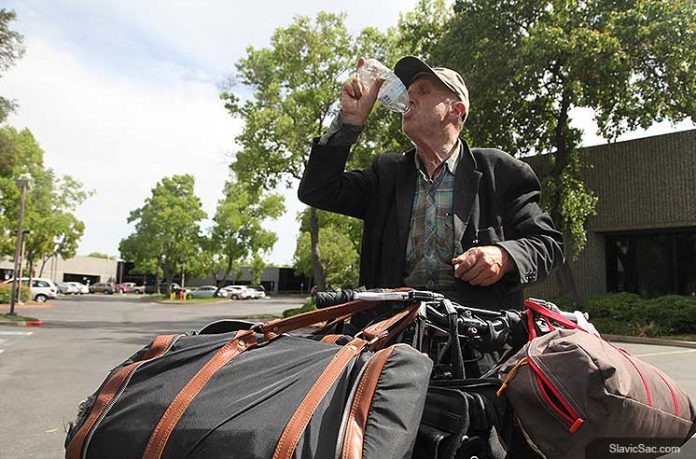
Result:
x=573 y=392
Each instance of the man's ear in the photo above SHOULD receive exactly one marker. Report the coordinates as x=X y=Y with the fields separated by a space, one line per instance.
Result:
x=459 y=109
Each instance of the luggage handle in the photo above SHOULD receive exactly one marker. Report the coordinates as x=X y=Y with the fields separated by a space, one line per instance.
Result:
x=535 y=308
x=277 y=327
x=381 y=332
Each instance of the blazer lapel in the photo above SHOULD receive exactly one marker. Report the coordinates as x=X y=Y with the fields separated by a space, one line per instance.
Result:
x=465 y=191
x=405 y=191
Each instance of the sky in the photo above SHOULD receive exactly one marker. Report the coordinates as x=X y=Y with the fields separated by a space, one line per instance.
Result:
x=120 y=94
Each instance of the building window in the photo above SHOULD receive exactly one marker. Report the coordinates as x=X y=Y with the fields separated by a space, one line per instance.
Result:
x=652 y=263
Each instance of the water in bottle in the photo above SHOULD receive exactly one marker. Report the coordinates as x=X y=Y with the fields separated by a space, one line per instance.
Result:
x=393 y=93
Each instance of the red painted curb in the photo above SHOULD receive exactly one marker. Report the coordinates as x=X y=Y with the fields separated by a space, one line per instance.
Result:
x=34 y=323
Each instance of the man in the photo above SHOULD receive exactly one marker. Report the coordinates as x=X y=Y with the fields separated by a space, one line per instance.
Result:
x=444 y=217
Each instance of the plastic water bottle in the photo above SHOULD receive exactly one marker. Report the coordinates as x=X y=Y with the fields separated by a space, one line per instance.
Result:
x=393 y=93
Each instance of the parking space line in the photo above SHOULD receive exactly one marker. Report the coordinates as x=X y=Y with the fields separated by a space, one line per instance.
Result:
x=666 y=353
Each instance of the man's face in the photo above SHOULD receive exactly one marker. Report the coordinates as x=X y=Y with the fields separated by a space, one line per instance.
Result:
x=431 y=104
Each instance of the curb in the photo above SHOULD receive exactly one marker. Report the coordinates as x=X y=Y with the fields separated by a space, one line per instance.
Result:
x=653 y=341
x=27 y=323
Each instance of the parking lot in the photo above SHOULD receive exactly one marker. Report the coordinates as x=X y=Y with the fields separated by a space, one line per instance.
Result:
x=45 y=372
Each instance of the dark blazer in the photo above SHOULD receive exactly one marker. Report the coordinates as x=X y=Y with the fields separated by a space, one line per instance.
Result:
x=496 y=202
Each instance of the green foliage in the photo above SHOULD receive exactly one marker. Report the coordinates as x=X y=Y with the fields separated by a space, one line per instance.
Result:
x=6 y=293
x=310 y=305
x=575 y=204
x=237 y=235
x=419 y=30
x=527 y=64
x=11 y=49
x=339 y=257
x=167 y=232
x=629 y=314
x=49 y=205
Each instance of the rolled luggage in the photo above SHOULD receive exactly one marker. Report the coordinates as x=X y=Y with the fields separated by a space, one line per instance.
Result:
x=230 y=391
x=576 y=394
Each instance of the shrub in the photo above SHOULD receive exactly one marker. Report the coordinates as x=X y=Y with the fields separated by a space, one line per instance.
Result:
x=629 y=314
x=310 y=305
x=6 y=293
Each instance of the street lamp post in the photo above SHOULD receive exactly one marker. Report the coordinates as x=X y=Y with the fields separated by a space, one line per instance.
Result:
x=23 y=185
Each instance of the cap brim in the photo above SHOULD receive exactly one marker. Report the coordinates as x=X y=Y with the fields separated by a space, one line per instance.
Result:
x=408 y=67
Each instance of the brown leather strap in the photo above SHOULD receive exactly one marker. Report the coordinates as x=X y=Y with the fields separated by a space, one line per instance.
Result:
x=403 y=318
x=297 y=424
x=354 y=436
x=276 y=327
x=244 y=339
x=395 y=330
x=331 y=339
x=159 y=347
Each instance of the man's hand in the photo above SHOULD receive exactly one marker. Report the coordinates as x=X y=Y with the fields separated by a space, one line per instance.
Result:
x=357 y=101
x=482 y=266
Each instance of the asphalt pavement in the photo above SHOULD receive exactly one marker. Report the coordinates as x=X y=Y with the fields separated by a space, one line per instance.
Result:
x=46 y=371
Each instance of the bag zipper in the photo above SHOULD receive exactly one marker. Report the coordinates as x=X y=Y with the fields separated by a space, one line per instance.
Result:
x=565 y=411
x=113 y=401
x=648 y=395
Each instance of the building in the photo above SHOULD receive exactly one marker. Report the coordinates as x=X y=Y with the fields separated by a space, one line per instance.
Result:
x=88 y=270
x=643 y=238
x=273 y=279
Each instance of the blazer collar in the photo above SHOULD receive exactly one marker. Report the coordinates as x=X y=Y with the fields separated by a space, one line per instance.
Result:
x=465 y=190
x=405 y=191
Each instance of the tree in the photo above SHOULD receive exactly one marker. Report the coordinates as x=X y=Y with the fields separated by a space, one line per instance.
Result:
x=296 y=83
x=54 y=229
x=528 y=64
x=11 y=49
x=167 y=232
x=237 y=234
x=338 y=255
x=48 y=215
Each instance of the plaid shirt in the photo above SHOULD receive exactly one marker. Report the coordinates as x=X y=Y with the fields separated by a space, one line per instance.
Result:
x=430 y=246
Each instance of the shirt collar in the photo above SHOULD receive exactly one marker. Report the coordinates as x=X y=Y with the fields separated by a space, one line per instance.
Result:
x=450 y=164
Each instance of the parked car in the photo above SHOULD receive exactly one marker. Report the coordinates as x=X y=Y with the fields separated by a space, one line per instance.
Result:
x=103 y=287
x=130 y=287
x=238 y=292
x=41 y=290
x=80 y=288
x=205 y=291
x=175 y=288
x=66 y=288
x=256 y=291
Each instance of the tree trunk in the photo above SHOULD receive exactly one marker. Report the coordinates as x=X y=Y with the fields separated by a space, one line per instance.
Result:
x=317 y=268
x=566 y=283
x=564 y=275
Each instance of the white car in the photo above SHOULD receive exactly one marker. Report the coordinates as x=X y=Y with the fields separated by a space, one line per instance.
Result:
x=80 y=287
x=237 y=292
x=42 y=288
x=256 y=291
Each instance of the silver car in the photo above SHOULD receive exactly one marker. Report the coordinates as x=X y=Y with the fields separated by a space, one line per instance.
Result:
x=206 y=291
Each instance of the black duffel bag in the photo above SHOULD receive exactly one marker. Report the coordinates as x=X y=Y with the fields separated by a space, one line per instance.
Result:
x=261 y=393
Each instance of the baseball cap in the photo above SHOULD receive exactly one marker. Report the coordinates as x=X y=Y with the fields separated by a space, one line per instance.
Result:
x=408 y=67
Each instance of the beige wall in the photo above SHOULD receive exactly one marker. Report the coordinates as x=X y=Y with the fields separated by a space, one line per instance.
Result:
x=641 y=184
x=89 y=266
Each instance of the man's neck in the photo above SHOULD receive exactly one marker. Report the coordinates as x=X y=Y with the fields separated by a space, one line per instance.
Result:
x=433 y=155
